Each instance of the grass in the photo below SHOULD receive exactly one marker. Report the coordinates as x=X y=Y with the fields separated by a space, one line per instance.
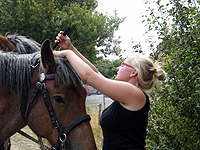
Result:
x=19 y=142
x=96 y=128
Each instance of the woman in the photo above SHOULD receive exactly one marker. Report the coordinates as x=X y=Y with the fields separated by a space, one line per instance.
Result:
x=124 y=122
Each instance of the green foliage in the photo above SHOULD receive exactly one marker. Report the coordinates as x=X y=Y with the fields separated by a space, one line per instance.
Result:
x=175 y=111
x=107 y=67
x=91 y=32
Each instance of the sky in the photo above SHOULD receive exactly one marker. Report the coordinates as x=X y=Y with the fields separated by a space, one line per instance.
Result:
x=132 y=29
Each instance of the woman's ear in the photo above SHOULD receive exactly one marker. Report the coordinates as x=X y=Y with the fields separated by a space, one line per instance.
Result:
x=134 y=74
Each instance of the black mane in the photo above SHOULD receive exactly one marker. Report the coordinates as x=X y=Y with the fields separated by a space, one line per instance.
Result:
x=16 y=70
x=23 y=44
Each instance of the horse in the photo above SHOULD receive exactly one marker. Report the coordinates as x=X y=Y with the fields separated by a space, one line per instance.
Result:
x=18 y=44
x=58 y=98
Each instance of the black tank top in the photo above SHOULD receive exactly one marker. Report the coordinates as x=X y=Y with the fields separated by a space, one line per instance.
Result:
x=124 y=129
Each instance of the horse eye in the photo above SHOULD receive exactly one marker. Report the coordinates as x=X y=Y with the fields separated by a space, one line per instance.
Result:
x=58 y=99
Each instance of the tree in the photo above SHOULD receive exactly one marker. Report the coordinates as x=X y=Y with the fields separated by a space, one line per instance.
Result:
x=108 y=68
x=91 y=32
x=175 y=111
x=105 y=67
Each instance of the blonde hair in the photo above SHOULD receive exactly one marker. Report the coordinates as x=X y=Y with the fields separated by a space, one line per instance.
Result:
x=148 y=71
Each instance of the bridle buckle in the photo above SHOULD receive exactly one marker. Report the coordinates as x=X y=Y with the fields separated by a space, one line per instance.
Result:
x=42 y=77
x=63 y=138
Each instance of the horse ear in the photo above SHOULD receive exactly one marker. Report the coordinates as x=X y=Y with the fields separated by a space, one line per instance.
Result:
x=6 y=45
x=47 y=57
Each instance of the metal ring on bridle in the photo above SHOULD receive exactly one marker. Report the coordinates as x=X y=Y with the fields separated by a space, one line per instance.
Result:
x=53 y=148
x=63 y=140
x=42 y=77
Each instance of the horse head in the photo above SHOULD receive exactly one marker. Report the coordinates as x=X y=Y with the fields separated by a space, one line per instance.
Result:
x=19 y=44
x=5 y=44
x=58 y=111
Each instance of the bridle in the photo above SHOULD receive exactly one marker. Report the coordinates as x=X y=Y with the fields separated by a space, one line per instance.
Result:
x=40 y=86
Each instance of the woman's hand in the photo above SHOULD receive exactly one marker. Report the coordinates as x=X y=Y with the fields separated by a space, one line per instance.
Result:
x=64 y=41
x=62 y=53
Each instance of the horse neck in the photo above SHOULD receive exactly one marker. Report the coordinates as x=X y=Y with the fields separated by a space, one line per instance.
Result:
x=11 y=119
x=10 y=116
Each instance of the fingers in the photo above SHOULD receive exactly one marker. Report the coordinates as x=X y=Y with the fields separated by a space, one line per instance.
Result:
x=55 y=53
x=61 y=37
x=58 y=39
x=63 y=40
x=59 y=53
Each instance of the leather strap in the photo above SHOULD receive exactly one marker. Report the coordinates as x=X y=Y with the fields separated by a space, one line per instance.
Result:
x=71 y=126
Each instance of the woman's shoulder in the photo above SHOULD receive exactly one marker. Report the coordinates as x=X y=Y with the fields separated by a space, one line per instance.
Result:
x=137 y=101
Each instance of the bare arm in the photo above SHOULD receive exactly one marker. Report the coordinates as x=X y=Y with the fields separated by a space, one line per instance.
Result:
x=127 y=94
x=84 y=59
x=65 y=43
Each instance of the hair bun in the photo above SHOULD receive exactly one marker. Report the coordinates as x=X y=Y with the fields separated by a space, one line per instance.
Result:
x=159 y=73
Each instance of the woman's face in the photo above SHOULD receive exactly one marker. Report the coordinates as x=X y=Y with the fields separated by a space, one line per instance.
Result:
x=124 y=71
